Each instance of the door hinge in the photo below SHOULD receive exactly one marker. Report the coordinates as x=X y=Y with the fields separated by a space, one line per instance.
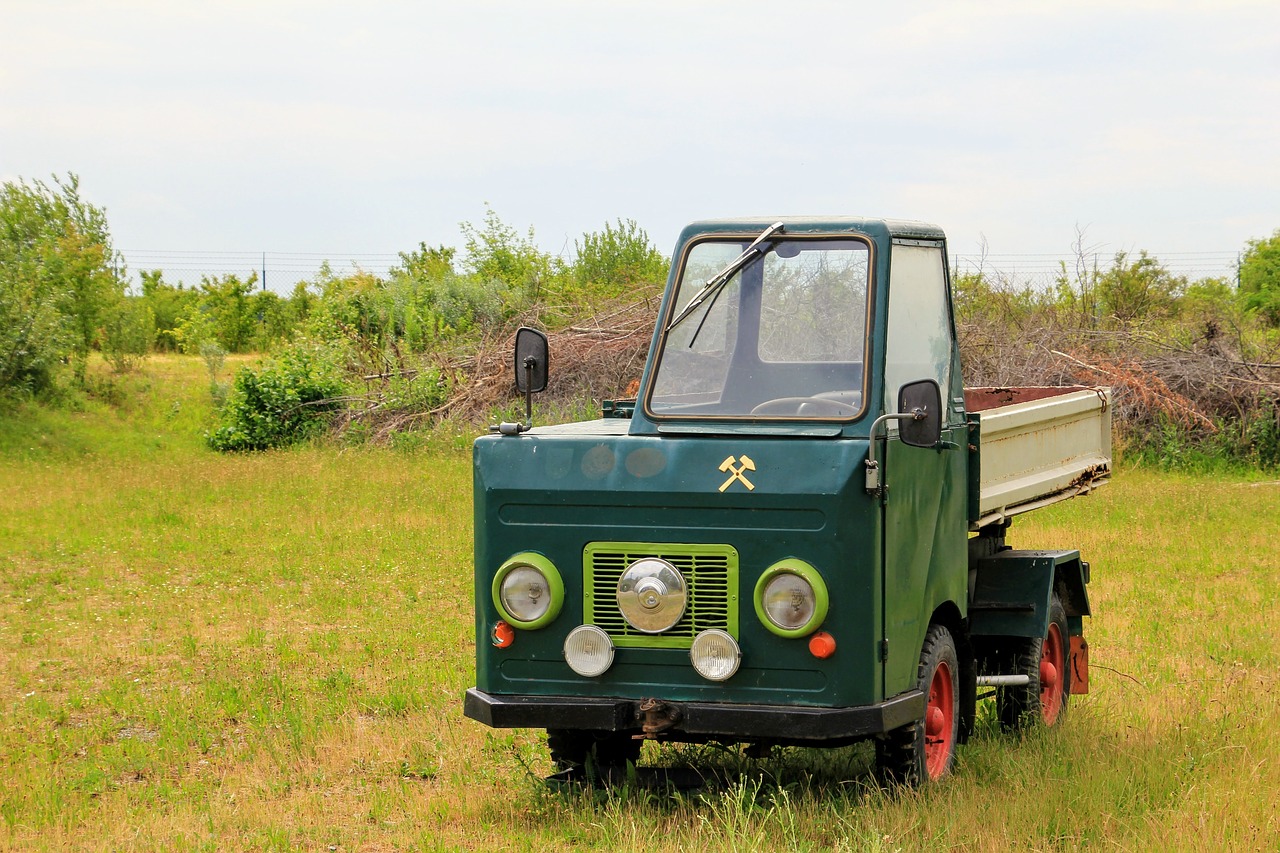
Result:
x=884 y=650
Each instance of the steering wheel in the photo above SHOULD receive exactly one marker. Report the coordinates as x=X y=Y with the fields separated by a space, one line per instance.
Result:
x=812 y=407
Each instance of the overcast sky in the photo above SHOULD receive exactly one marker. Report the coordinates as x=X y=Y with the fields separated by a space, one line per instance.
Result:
x=361 y=129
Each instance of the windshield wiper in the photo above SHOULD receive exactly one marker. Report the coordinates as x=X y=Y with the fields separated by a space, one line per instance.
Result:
x=713 y=285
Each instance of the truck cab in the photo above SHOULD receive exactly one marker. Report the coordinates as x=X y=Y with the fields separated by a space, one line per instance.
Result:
x=783 y=539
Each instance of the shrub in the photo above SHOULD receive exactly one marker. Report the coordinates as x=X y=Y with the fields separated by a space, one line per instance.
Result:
x=286 y=400
x=33 y=337
x=1135 y=289
x=497 y=251
x=214 y=358
x=615 y=258
x=127 y=333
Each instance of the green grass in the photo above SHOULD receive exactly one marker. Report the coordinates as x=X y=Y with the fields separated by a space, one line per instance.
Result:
x=269 y=652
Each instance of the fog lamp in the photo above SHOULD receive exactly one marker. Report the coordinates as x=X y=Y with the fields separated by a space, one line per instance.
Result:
x=715 y=654
x=588 y=651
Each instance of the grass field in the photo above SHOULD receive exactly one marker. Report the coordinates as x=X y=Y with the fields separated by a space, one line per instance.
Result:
x=269 y=652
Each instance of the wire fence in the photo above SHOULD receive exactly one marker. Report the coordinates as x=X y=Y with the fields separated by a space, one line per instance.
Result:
x=1044 y=269
x=281 y=271
x=277 y=271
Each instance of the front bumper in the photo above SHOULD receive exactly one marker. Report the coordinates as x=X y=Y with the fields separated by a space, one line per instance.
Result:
x=786 y=724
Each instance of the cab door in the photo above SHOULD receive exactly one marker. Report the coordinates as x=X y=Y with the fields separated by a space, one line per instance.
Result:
x=925 y=560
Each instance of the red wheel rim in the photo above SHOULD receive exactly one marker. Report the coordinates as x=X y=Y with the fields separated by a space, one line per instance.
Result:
x=1053 y=665
x=939 y=722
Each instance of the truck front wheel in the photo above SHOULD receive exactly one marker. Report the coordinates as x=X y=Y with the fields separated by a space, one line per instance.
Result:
x=1045 y=661
x=576 y=748
x=924 y=751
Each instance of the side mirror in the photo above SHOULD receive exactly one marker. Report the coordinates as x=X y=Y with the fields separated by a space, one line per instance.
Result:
x=922 y=402
x=531 y=376
x=531 y=361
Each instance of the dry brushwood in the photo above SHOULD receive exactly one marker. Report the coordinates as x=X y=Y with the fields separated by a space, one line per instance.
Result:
x=1137 y=392
x=598 y=358
x=595 y=359
x=1196 y=385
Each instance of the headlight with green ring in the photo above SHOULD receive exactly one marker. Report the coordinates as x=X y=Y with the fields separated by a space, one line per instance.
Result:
x=528 y=591
x=791 y=599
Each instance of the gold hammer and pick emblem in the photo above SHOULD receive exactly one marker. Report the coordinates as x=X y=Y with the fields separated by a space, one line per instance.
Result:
x=743 y=463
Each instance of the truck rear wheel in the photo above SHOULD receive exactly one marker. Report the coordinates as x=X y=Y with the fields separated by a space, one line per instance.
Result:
x=576 y=747
x=924 y=751
x=1045 y=661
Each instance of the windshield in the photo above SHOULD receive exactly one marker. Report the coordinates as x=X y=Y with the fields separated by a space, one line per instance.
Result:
x=784 y=338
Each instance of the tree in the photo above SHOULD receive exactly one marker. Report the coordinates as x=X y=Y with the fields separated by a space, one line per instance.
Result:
x=226 y=301
x=300 y=304
x=1260 y=278
x=270 y=317
x=57 y=280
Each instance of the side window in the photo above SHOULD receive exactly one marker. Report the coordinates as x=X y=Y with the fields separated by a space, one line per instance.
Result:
x=919 y=328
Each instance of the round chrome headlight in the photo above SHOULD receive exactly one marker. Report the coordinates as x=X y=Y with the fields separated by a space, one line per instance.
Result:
x=588 y=651
x=715 y=654
x=528 y=591
x=791 y=599
x=652 y=595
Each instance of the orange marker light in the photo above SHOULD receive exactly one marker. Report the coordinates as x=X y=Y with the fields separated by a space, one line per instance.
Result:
x=822 y=645
x=503 y=635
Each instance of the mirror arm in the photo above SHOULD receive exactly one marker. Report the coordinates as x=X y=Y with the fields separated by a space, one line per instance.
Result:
x=873 y=484
x=872 y=465
x=529 y=362
x=508 y=428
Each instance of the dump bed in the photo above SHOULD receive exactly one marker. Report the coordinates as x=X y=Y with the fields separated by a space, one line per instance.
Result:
x=1035 y=446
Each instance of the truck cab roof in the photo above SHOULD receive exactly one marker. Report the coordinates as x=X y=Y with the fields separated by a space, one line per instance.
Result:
x=888 y=228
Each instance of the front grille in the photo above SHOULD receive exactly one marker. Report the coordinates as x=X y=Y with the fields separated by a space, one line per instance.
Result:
x=711 y=572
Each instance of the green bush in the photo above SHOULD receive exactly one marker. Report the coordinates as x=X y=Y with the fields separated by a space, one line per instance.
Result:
x=33 y=337
x=616 y=258
x=129 y=328
x=417 y=392
x=1134 y=289
x=1262 y=438
x=214 y=358
x=459 y=304
x=498 y=252
x=286 y=400
x=419 y=307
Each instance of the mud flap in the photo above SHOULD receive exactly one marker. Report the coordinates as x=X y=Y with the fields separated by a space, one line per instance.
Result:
x=1079 y=665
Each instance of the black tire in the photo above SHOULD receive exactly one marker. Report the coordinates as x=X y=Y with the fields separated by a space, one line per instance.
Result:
x=598 y=750
x=924 y=751
x=1040 y=701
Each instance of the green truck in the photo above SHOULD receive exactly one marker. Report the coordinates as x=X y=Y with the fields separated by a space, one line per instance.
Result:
x=795 y=534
